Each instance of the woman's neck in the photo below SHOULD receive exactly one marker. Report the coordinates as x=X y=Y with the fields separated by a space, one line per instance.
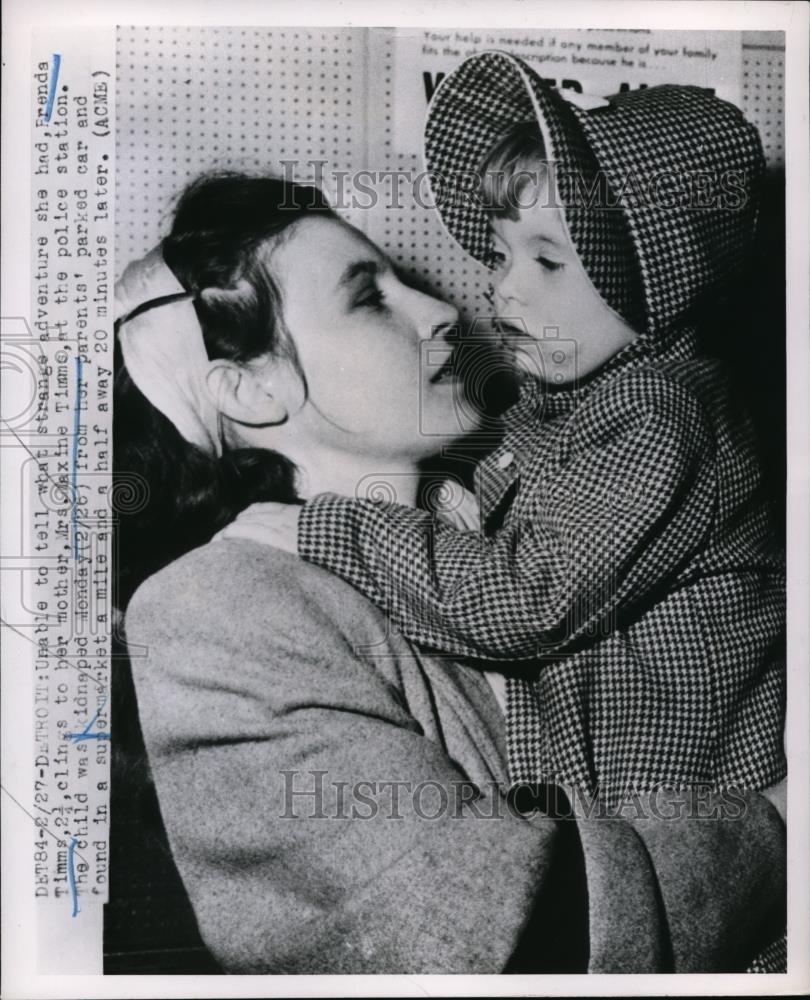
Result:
x=356 y=476
x=324 y=468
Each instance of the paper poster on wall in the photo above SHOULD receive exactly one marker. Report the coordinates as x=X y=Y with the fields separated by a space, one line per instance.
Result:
x=597 y=61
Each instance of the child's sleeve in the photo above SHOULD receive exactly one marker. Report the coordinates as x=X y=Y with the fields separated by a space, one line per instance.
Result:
x=601 y=532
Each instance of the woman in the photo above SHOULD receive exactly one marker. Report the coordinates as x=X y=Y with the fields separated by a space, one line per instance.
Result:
x=333 y=796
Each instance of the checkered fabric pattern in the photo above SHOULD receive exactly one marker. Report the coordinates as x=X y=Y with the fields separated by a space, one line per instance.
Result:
x=772 y=959
x=632 y=589
x=658 y=187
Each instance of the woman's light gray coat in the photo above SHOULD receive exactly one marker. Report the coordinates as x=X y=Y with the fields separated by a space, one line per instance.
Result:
x=259 y=676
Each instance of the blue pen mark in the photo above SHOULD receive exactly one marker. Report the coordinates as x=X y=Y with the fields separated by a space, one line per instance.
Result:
x=57 y=62
x=75 y=458
x=85 y=734
x=74 y=892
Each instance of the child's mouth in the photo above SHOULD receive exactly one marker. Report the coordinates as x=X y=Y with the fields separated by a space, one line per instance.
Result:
x=511 y=334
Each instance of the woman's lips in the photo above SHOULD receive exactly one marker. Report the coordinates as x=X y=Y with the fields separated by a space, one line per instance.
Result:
x=447 y=370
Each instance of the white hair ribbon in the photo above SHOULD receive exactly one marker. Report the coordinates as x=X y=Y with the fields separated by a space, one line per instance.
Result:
x=163 y=349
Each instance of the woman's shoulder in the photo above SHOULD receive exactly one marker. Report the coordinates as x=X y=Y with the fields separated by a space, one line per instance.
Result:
x=237 y=618
x=238 y=584
x=221 y=567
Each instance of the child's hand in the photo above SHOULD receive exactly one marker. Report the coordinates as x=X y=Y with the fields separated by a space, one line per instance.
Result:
x=273 y=524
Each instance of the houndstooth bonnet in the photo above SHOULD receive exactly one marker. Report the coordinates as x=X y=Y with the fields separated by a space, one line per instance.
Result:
x=659 y=186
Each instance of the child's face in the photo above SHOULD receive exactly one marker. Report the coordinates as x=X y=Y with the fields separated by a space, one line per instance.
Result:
x=541 y=284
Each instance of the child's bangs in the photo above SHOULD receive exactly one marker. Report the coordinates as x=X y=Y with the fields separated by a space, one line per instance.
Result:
x=516 y=160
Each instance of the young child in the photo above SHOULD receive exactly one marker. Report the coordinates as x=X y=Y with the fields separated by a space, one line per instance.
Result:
x=626 y=575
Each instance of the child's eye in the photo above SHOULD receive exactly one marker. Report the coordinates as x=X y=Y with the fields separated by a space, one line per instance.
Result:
x=549 y=265
x=497 y=258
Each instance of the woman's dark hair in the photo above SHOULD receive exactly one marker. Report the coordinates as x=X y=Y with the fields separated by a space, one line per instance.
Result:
x=170 y=496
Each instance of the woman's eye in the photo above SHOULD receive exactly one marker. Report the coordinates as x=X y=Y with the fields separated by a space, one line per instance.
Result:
x=549 y=265
x=371 y=299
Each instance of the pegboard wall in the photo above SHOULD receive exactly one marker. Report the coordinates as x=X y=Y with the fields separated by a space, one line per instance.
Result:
x=763 y=87
x=191 y=99
x=195 y=99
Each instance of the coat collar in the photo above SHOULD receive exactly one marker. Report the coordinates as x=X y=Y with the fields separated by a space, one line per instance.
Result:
x=677 y=345
x=539 y=405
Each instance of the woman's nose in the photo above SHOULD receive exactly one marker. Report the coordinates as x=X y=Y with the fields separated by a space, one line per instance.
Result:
x=439 y=317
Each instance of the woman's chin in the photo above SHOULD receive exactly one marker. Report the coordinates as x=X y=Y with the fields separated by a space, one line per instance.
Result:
x=447 y=414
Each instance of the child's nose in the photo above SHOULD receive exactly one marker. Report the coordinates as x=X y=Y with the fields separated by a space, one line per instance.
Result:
x=505 y=293
x=507 y=290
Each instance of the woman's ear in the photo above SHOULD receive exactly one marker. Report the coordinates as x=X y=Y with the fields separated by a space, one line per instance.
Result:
x=245 y=394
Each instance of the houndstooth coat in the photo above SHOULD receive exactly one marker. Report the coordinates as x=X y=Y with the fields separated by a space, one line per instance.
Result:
x=626 y=575
x=626 y=579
